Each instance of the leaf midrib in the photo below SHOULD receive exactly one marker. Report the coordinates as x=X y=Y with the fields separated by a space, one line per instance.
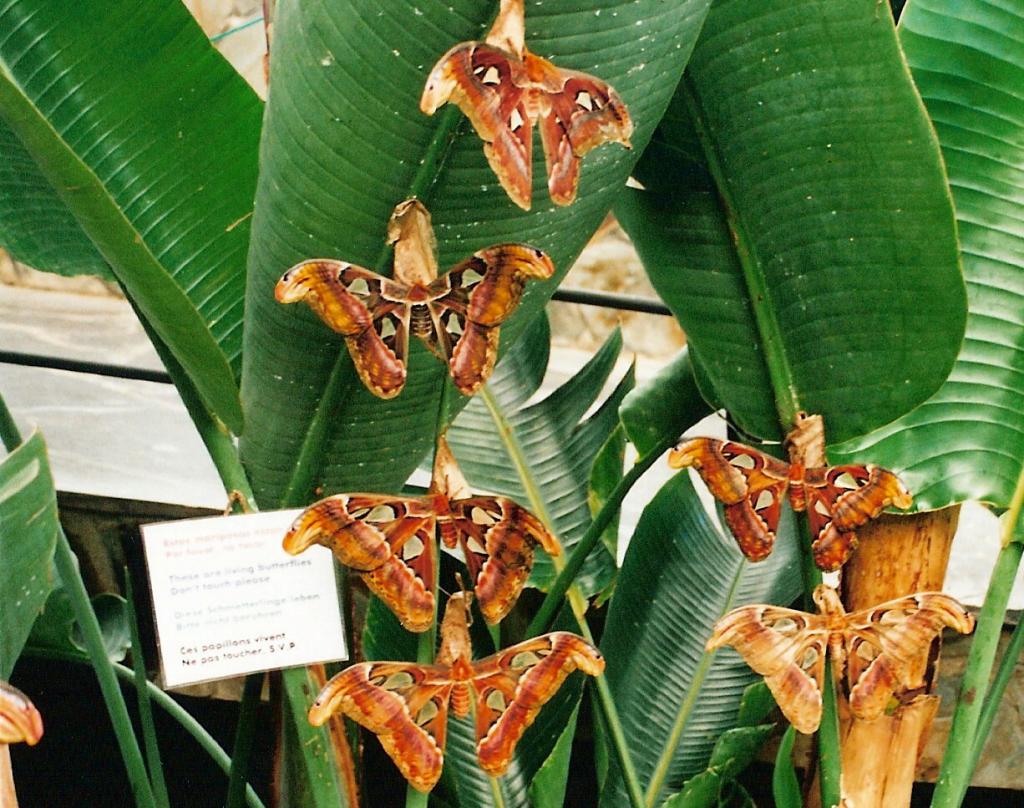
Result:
x=787 y=402
x=213 y=375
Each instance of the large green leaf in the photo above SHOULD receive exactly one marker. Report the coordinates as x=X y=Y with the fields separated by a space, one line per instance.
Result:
x=797 y=218
x=28 y=537
x=308 y=774
x=149 y=138
x=35 y=225
x=733 y=752
x=344 y=142
x=680 y=574
x=966 y=441
x=541 y=455
x=57 y=632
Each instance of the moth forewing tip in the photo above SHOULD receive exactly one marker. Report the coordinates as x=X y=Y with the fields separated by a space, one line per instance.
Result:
x=302 y=534
x=20 y=721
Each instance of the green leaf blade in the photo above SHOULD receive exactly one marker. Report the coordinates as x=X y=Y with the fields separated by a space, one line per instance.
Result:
x=965 y=442
x=677 y=578
x=309 y=777
x=557 y=453
x=116 y=114
x=664 y=406
x=348 y=83
x=28 y=538
x=36 y=227
x=828 y=233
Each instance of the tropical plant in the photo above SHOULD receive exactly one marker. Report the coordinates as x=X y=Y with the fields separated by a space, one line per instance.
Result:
x=794 y=207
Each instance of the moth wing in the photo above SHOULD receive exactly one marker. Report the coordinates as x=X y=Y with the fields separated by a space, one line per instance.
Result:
x=324 y=285
x=365 y=308
x=389 y=540
x=486 y=83
x=498 y=537
x=484 y=290
x=882 y=644
x=584 y=113
x=788 y=648
x=842 y=498
x=404 y=704
x=20 y=721
x=512 y=685
x=750 y=484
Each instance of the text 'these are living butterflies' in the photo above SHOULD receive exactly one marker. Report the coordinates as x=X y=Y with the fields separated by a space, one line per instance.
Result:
x=406 y=704
x=873 y=650
x=391 y=541
x=504 y=90
x=457 y=314
x=751 y=485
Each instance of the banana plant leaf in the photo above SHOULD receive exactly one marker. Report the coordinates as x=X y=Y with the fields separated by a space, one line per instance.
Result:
x=546 y=463
x=149 y=138
x=308 y=774
x=57 y=632
x=28 y=538
x=35 y=225
x=797 y=220
x=344 y=142
x=965 y=441
x=734 y=750
x=549 y=786
x=679 y=575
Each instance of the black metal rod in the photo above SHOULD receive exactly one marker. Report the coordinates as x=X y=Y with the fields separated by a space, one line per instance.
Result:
x=84 y=366
x=605 y=300
x=612 y=300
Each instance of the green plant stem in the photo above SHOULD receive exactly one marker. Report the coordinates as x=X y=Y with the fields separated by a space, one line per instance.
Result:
x=339 y=383
x=67 y=568
x=206 y=741
x=196 y=730
x=661 y=768
x=214 y=434
x=149 y=736
x=785 y=786
x=1004 y=673
x=829 y=760
x=245 y=740
x=545 y=616
x=415 y=799
x=961 y=757
x=496 y=795
x=578 y=603
x=787 y=402
x=613 y=725
x=829 y=755
x=9 y=433
x=426 y=642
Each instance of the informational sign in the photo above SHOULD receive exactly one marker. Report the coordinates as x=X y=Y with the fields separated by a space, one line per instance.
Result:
x=229 y=601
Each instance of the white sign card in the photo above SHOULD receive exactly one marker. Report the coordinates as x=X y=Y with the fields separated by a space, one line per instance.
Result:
x=229 y=600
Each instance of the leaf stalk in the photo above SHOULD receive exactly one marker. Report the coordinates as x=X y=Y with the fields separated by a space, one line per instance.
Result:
x=965 y=738
x=567 y=575
x=67 y=568
x=605 y=701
